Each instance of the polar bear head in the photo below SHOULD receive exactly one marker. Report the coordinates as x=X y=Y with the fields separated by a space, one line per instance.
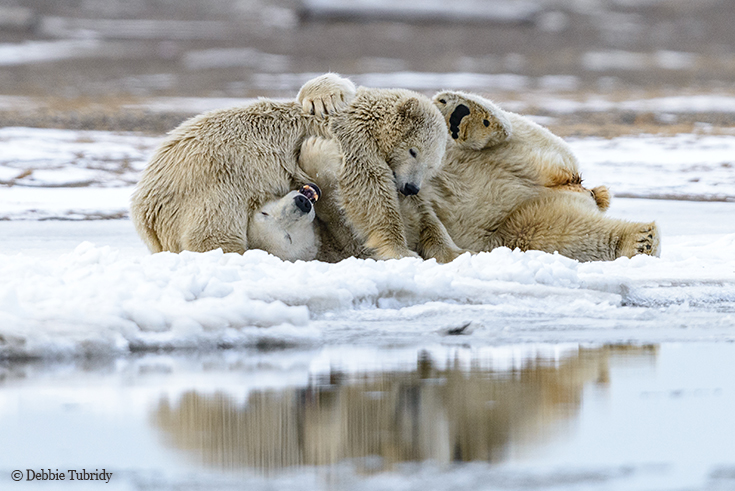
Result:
x=418 y=153
x=284 y=227
x=394 y=131
x=473 y=121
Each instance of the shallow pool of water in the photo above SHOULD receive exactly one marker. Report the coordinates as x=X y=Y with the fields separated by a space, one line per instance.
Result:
x=525 y=416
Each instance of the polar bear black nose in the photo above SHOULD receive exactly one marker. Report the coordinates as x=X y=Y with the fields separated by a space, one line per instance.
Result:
x=302 y=203
x=410 y=189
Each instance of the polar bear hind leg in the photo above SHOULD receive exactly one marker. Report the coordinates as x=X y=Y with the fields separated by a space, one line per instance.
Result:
x=565 y=222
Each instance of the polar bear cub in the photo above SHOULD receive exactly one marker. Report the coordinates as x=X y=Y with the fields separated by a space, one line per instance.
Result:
x=285 y=227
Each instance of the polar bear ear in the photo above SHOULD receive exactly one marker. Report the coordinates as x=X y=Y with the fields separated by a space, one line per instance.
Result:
x=409 y=109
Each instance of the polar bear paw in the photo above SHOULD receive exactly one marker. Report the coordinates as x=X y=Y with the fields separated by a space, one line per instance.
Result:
x=473 y=121
x=326 y=94
x=643 y=240
x=320 y=157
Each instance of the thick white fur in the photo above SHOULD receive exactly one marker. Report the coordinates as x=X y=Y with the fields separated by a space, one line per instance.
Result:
x=505 y=181
x=214 y=171
x=283 y=229
x=513 y=183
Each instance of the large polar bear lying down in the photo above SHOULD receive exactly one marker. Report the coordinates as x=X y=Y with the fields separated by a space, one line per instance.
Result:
x=505 y=181
x=214 y=173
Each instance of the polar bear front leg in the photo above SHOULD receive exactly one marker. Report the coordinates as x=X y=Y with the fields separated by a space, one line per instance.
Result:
x=426 y=233
x=326 y=94
x=370 y=204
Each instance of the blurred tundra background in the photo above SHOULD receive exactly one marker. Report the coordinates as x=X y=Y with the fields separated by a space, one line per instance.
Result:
x=577 y=64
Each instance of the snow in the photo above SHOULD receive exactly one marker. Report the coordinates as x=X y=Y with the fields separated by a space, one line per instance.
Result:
x=51 y=157
x=85 y=288
x=40 y=51
x=700 y=103
x=626 y=60
x=92 y=301
x=678 y=167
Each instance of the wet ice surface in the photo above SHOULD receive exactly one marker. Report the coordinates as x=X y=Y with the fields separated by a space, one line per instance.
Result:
x=524 y=416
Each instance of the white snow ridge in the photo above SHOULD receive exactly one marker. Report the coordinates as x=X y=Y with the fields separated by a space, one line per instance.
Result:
x=92 y=301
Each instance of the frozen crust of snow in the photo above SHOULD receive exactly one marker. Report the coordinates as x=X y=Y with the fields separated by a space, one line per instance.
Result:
x=92 y=301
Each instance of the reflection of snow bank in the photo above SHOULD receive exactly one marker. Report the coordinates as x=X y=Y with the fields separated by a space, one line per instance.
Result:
x=360 y=360
x=91 y=301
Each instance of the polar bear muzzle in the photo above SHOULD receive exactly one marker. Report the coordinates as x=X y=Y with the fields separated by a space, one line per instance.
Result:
x=456 y=118
x=311 y=191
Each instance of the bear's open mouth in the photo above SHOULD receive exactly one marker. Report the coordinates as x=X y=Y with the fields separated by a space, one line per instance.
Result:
x=311 y=191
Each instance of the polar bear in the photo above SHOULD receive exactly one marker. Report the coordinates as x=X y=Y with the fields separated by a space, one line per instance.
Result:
x=507 y=181
x=285 y=227
x=205 y=182
x=388 y=139
x=321 y=159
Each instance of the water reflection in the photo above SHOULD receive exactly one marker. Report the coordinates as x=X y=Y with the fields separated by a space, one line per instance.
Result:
x=446 y=412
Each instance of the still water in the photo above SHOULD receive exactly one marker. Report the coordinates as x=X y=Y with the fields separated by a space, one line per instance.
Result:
x=504 y=417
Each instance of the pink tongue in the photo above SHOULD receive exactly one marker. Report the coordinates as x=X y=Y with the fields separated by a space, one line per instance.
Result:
x=309 y=192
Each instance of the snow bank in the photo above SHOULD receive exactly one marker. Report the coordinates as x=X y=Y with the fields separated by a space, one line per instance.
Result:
x=94 y=302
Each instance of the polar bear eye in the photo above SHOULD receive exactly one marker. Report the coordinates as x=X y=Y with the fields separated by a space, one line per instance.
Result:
x=486 y=122
x=412 y=152
x=442 y=101
x=264 y=214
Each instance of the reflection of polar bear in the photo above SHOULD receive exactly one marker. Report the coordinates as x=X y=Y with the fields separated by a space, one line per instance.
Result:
x=204 y=183
x=432 y=411
x=285 y=227
x=507 y=181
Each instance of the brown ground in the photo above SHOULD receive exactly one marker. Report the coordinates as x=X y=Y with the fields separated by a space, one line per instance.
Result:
x=136 y=61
